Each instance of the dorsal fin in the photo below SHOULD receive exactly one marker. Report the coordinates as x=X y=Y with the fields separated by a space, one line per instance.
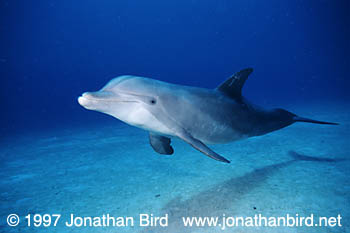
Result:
x=232 y=87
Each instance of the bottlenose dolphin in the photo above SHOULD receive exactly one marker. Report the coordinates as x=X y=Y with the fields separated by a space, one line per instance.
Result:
x=199 y=116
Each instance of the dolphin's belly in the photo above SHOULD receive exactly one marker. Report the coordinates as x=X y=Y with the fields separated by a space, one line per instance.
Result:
x=217 y=126
x=141 y=118
x=218 y=134
x=213 y=118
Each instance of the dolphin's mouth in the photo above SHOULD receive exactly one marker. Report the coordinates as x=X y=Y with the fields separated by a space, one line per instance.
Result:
x=82 y=100
x=105 y=100
x=90 y=97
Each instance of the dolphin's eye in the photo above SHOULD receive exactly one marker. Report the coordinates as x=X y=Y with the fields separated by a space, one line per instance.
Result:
x=153 y=101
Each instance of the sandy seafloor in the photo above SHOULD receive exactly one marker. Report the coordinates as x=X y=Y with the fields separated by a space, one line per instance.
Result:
x=102 y=169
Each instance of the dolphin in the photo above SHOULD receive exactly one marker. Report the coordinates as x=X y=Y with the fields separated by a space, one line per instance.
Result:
x=198 y=116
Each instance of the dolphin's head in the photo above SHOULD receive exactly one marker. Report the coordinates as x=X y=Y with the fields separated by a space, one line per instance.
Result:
x=122 y=90
x=128 y=98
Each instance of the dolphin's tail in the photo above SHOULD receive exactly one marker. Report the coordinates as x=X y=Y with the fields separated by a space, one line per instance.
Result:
x=302 y=119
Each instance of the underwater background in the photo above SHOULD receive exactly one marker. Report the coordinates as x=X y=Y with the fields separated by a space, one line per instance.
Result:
x=57 y=157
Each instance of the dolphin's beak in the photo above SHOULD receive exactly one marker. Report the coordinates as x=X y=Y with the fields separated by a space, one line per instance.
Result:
x=90 y=99
x=82 y=100
x=98 y=95
x=86 y=100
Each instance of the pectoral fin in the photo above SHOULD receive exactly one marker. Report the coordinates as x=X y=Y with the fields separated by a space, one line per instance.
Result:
x=201 y=147
x=161 y=144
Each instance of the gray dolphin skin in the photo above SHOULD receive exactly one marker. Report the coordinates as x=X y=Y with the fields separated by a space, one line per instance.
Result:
x=198 y=116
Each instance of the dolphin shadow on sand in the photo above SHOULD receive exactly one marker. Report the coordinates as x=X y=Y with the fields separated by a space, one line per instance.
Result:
x=220 y=198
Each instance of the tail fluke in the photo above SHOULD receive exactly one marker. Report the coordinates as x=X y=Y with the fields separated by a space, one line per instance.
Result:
x=302 y=119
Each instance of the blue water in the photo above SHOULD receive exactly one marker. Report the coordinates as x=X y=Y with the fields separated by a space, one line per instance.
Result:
x=58 y=157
